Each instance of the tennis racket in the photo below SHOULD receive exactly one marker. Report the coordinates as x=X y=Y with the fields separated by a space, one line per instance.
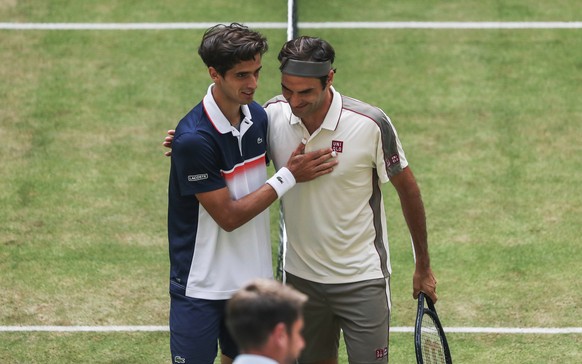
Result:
x=429 y=337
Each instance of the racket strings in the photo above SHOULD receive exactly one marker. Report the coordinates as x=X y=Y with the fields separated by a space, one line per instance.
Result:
x=431 y=344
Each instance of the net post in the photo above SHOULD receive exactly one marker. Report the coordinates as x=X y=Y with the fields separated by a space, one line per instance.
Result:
x=292 y=27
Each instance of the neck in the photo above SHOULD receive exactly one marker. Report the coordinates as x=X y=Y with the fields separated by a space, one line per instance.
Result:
x=232 y=111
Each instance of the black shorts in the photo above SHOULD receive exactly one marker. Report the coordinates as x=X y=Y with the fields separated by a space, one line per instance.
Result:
x=196 y=326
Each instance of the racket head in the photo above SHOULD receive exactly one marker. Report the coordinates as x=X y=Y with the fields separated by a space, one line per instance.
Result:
x=432 y=338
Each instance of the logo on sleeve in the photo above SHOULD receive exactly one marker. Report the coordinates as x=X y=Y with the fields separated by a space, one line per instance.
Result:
x=337 y=145
x=197 y=177
x=394 y=159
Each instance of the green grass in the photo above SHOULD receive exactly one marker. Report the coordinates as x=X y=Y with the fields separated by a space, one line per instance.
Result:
x=102 y=348
x=489 y=119
x=269 y=11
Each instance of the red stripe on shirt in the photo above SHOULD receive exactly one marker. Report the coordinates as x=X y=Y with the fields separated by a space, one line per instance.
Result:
x=244 y=167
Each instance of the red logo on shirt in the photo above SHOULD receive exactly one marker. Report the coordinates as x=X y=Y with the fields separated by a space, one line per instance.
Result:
x=337 y=145
x=394 y=159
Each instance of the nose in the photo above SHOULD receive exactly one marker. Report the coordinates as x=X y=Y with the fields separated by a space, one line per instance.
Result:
x=294 y=100
x=253 y=82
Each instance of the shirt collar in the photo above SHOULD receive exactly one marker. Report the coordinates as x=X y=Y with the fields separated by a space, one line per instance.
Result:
x=254 y=359
x=216 y=116
x=333 y=114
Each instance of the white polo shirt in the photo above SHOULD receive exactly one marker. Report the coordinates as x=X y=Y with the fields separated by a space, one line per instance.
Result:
x=336 y=224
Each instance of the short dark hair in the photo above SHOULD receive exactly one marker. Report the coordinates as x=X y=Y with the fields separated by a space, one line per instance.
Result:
x=223 y=46
x=307 y=48
x=253 y=312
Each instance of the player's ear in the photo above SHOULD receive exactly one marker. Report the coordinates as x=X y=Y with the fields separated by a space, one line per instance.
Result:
x=330 y=77
x=280 y=332
x=213 y=73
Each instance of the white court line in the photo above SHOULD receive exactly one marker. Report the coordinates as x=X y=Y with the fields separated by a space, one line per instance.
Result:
x=83 y=328
x=301 y=25
x=127 y=26
x=455 y=330
x=444 y=25
x=515 y=330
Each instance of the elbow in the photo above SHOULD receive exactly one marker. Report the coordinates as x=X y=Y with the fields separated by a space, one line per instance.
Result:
x=228 y=224
x=228 y=218
x=228 y=228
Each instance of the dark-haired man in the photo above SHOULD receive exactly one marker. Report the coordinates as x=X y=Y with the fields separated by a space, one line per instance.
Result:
x=218 y=228
x=337 y=250
x=266 y=318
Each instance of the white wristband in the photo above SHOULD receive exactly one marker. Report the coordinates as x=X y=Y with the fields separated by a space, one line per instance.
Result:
x=282 y=181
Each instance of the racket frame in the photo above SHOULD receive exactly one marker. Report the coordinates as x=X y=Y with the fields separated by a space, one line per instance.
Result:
x=431 y=311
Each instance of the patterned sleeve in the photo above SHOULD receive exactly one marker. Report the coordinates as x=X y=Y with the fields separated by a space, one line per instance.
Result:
x=390 y=156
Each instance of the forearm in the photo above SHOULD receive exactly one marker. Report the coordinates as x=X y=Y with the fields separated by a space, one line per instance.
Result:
x=231 y=214
x=414 y=214
x=238 y=212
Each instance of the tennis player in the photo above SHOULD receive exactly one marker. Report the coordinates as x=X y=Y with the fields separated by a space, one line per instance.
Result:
x=218 y=228
x=337 y=251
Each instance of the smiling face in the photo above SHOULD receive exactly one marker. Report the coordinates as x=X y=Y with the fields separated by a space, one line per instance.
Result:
x=238 y=85
x=306 y=96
